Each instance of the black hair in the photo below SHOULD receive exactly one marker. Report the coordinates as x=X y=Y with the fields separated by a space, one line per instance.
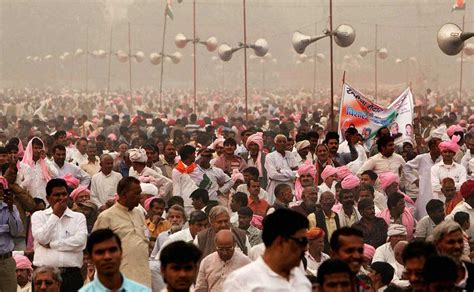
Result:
x=101 y=235
x=179 y=252
x=367 y=187
x=383 y=142
x=202 y=194
x=159 y=201
x=344 y=231
x=186 y=151
x=58 y=147
x=379 y=132
x=230 y=141
x=176 y=200
x=373 y=176
x=253 y=171
x=197 y=216
x=59 y=134
x=331 y=136
x=245 y=211
x=461 y=217
x=385 y=270
x=312 y=134
x=434 y=205
x=344 y=192
x=241 y=198
x=364 y=204
x=3 y=150
x=332 y=266
x=432 y=142
x=54 y=183
x=150 y=147
x=39 y=201
x=11 y=148
x=440 y=268
x=417 y=249
x=125 y=183
x=393 y=199
x=279 y=188
x=284 y=223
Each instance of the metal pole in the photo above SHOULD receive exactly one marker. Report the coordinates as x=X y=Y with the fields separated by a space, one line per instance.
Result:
x=87 y=59
x=110 y=58
x=162 y=61
x=462 y=62
x=331 y=52
x=130 y=61
x=263 y=76
x=315 y=60
x=375 y=64
x=194 y=54
x=245 y=63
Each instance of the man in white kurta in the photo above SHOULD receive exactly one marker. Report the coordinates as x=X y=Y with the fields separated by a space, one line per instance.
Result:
x=128 y=222
x=418 y=171
x=281 y=167
x=104 y=183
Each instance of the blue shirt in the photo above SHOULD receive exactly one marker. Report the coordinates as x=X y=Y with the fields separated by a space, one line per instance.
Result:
x=10 y=226
x=127 y=286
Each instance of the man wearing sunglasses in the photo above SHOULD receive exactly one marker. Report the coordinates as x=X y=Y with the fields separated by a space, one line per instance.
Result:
x=284 y=236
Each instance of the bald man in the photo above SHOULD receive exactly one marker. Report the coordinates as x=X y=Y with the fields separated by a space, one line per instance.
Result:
x=217 y=266
x=398 y=265
x=104 y=183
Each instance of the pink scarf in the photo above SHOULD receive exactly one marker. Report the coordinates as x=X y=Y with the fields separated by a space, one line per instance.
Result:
x=305 y=168
x=407 y=220
x=28 y=159
x=257 y=138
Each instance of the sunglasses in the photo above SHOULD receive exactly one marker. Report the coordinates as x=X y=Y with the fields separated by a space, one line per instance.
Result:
x=303 y=241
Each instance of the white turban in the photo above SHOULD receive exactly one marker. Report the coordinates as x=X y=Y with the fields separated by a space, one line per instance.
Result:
x=396 y=229
x=137 y=155
x=302 y=144
x=149 y=189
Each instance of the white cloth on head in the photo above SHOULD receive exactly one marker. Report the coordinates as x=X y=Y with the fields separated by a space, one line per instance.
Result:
x=149 y=189
x=137 y=155
x=396 y=229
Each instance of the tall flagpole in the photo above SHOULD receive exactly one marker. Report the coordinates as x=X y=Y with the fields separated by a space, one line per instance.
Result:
x=375 y=63
x=110 y=58
x=162 y=59
x=331 y=53
x=194 y=57
x=315 y=59
x=130 y=61
x=245 y=61
x=462 y=61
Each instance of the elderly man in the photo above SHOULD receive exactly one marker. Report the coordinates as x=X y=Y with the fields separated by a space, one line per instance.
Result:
x=302 y=151
x=47 y=279
x=256 y=158
x=216 y=267
x=447 y=168
x=284 y=236
x=385 y=252
x=139 y=169
x=177 y=217
x=315 y=255
x=60 y=236
x=104 y=183
x=24 y=268
x=281 y=167
x=467 y=205
x=308 y=204
x=80 y=154
x=220 y=219
x=65 y=168
x=325 y=218
x=449 y=240
x=128 y=223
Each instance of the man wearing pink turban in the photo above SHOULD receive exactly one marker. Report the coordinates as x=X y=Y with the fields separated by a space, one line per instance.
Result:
x=306 y=178
x=80 y=194
x=24 y=268
x=328 y=176
x=255 y=157
x=447 y=168
x=35 y=171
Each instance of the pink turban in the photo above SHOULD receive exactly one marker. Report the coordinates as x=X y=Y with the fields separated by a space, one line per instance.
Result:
x=453 y=129
x=74 y=194
x=4 y=182
x=71 y=181
x=451 y=145
x=147 y=203
x=471 y=118
x=342 y=172
x=369 y=251
x=22 y=262
x=388 y=178
x=307 y=168
x=349 y=182
x=328 y=171
x=256 y=138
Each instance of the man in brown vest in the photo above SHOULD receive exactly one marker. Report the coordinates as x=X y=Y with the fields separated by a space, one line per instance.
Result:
x=220 y=219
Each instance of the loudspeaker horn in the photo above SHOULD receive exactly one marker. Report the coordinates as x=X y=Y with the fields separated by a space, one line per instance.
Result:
x=469 y=49
x=225 y=52
x=382 y=53
x=122 y=57
x=139 y=56
x=260 y=47
x=300 y=42
x=363 y=51
x=155 y=58
x=344 y=35
x=176 y=57
x=211 y=44
x=180 y=40
x=451 y=38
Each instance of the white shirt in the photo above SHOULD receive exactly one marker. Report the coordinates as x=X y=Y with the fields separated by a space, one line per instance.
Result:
x=218 y=181
x=384 y=253
x=163 y=183
x=66 y=236
x=424 y=227
x=103 y=187
x=313 y=265
x=184 y=235
x=32 y=179
x=361 y=155
x=262 y=195
x=380 y=200
x=257 y=276
x=74 y=170
x=279 y=171
x=257 y=251
x=464 y=207
x=465 y=159
x=78 y=158
x=420 y=168
x=380 y=164
x=440 y=171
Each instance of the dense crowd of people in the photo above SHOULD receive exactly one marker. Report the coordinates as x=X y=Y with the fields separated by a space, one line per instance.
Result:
x=125 y=196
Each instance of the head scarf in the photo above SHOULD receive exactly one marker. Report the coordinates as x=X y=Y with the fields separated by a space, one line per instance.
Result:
x=467 y=188
x=21 y=149
x=453 y=129
x=138 y=155
x=369 y=251
x=149 y=189
x=328 y=171
x=28 y=159
x=22 y=262
x=396 y=229
x=147 y=203
x=257 y=138
x=74 y=194
x=4 y=182
x=349 y=182
x=451 y=145
x=314 y=233
x=302 y=144
x=305 y=168
x=71 y=181
x=218 y=142
x=342 y=172
x=387 y=178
